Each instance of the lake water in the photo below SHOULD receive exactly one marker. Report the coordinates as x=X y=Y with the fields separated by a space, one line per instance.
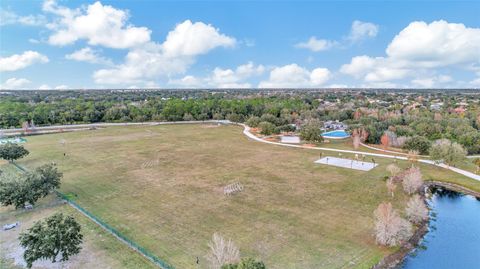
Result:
x=453 y=240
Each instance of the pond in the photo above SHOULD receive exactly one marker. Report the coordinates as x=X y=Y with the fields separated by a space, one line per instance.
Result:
x=453 y=240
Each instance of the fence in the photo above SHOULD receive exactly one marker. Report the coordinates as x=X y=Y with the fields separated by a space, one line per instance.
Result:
x=147 y=254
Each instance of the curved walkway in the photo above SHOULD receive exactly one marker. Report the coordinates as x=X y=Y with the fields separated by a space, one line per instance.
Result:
x=247 y=132
x=403 y=153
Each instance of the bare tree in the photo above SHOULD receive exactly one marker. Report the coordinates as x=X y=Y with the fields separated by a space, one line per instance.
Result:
x=222 y=252
x=391 y=186
x=416 y=209
x=401 y=141
x=412 y=181
x=356 y=141
x=393 y=169
x=412 y=156
x=390 y=228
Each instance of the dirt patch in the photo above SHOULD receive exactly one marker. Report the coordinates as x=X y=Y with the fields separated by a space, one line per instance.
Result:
x=309 y=145
x=12 y=252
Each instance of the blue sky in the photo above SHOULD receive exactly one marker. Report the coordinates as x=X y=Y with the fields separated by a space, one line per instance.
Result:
x=200 y=44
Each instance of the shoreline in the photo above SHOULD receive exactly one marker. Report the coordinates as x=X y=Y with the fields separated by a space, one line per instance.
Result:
x=395 y=259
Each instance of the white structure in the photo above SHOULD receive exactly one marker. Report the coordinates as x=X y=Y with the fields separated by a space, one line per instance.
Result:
x=232 y=188
x=290 y=139
x=347 y=163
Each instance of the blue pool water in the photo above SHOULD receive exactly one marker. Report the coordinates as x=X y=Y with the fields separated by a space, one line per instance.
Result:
x=453 y=240
x=336 y=134
x=15 y=140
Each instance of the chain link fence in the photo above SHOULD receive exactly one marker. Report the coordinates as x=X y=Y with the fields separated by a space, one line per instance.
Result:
x=144 y=252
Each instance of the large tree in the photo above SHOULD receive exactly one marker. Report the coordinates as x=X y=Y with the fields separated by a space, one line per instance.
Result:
x=390 y=228
x=56 y=237
x=12 y=152
x=419 y=143
x=416 y=209
x=30 y=187
x=45 y=179
x=311 y=131
x=447 y=151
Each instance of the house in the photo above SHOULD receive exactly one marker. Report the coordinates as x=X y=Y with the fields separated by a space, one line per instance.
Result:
x=334 y=125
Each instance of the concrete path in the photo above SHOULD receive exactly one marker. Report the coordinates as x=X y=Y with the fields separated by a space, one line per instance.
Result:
x=247 y=132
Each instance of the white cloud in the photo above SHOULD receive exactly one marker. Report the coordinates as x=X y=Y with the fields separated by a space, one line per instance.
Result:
x=475 y=82
x=98 y=24
x=294 y=76
x=143 y=64
x=187 y=82
x=88 y=55
x=20 y=61
x=179 y=51
x=191 y=39
x=61 y=87
x=8 y=17
x=319 y=76
x=361 y=30
x=420 y=48
x=436 y=44
x=337 y=86
x=316 y=45
x=223 y=78
x=432 y=81
x=383 y=84
x=14 y=83
x=48 y=87
x=359 y=66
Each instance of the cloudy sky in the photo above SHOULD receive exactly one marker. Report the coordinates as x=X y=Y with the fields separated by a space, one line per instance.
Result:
x=198 y=44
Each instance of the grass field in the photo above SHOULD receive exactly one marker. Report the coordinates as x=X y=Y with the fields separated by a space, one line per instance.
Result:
x=99 y=249
x=162 y=187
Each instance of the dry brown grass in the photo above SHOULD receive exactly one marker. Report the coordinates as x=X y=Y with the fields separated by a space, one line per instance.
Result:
x=292 y=214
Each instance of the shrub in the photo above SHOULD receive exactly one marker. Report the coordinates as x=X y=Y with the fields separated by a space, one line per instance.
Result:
x=267 y=128
x=247 y=263
x=253 y=121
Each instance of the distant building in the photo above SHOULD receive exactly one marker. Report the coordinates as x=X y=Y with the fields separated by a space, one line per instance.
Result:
x=436 y=106
x=459 y=110
x=334 y=125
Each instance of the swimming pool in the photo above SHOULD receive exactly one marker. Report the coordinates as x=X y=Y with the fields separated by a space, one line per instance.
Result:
x=337 y=134
x=15 y=140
